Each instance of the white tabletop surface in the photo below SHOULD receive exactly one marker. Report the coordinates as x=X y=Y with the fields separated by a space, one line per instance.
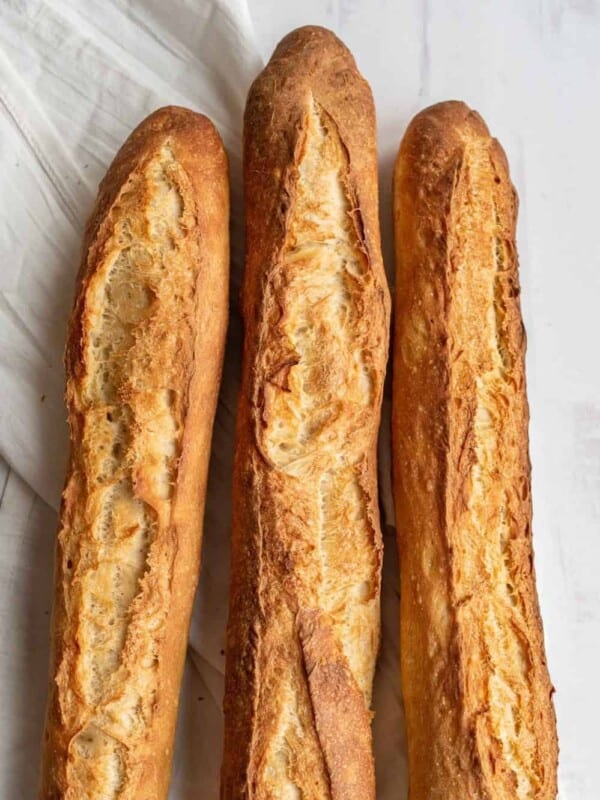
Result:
x=532 y=69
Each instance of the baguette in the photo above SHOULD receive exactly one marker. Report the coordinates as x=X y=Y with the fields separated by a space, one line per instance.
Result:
x=479 y=715
x=303 y=629
x=143 y=362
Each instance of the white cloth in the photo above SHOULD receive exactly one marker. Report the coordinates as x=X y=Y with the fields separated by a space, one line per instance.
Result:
x=75 y=79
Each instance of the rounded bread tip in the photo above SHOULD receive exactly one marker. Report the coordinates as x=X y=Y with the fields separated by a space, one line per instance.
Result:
x=309 y=37
x=455 y=117
x=436 y=134
x=171 y=118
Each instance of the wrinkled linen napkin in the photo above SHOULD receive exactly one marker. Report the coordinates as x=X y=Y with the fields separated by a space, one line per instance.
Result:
x=75 y=79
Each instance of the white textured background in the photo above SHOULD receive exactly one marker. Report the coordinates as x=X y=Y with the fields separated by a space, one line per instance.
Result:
x=532 y=68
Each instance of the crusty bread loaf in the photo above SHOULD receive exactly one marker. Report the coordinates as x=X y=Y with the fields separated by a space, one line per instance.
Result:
x=479 y=716
x=143 y=364
x=304 y=615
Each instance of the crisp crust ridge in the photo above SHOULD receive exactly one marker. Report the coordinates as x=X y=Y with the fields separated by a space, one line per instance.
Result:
x=479 y=714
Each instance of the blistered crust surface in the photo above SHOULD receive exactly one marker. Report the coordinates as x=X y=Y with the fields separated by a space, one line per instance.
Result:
x=131 y=399
x=317 y=399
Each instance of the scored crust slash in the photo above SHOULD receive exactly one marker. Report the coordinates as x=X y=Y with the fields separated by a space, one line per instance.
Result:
x=477 y=696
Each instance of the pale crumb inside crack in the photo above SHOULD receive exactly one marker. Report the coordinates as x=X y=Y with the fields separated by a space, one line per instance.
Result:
x=316 y=427
x=139 y=297
x=484 y=535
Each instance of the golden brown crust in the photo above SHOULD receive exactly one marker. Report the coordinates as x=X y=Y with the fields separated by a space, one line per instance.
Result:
x=143 y=362
x=306 y=551
x=479 y=715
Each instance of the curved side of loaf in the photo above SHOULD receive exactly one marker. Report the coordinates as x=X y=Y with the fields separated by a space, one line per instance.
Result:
x=143 y=362
x=304 y=615
x=479 y=714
